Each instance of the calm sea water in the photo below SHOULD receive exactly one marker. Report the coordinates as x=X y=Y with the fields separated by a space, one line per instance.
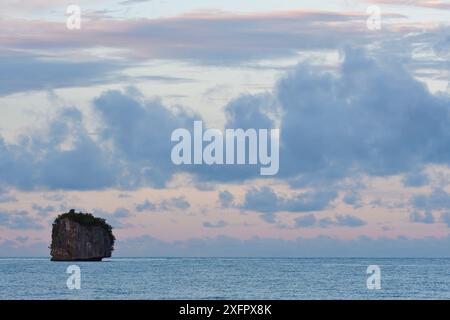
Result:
x=226 y=278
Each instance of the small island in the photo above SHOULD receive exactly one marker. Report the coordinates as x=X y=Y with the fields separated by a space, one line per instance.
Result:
x=81 y=237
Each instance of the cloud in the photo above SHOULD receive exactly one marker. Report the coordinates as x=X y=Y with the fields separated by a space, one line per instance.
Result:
x=353 y=198
x=379 y=203
x=263 y=200
x=415 y=179
x=140 y=134
x=5 y=196
x=61 y=156
x=371 y=118
x=433 y=4
x=446 y=218
x=438 y=199
x=131 y=150
x=24 y=72
x=199 y=36
x=441 y=47
x=266 y=200
x=43 y=211
x=348 y=221
x=22 y=239
x=18 y=219
x=251 y=112
x=165 y=205
x=310 y=220
x=175 y=202
x=306 y=221
x=121 y=213
x=117 y=218
x=219 y=224
x=226 y=199
x=54 y=197
x=30 y=72
x=418 y=217
x=145 y=206
x=131 y=2
x=123 y=195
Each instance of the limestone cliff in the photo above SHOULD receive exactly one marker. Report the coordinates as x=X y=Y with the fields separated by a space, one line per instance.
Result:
x=81 y=237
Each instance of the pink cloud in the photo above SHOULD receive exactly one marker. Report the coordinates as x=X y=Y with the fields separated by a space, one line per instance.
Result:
x=197 y=35
x=434 y=4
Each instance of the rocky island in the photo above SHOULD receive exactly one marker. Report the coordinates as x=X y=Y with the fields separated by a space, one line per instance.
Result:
x=81 y=237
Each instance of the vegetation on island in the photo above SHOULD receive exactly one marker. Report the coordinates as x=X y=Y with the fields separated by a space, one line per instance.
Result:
x=87 y=220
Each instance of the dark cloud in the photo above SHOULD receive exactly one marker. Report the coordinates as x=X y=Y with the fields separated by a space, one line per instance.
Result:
x=121 y=213
x=140 y=133
x=310 y=220
x=418 y=217
x=140 y=155
x=438 y=199
x=175 y=203
x=20 y=73
x=226 y=199
x=306 y=221
x=19 y=219
x=446 y=218
x=219 y=224
x=42 y=159
x=245 y=112
x=145 y=206
x=442 y=46
x=164 y=205
x=251 y=112
x=379 y=203
x=348 y=221
x=372 y=117
x=353 y=198
x=266 y=200
x=263 y=200
x=415 y=179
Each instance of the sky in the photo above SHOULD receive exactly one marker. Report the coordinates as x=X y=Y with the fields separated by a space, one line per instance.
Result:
x=359 y=90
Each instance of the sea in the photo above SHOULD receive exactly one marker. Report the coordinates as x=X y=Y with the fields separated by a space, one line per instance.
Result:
x=226 y=278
